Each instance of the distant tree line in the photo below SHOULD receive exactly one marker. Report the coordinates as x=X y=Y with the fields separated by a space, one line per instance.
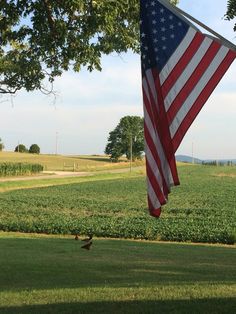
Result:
x=218 y=163
x=34 y=149
x=20 y=148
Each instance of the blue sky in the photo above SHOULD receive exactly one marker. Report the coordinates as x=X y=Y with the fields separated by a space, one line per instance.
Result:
x=89 y=105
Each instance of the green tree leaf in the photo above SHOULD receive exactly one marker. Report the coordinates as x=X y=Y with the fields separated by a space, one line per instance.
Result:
x=21 y=149
x=34 y=149
x=1 y=145
x=231 y=11
x=39 y=39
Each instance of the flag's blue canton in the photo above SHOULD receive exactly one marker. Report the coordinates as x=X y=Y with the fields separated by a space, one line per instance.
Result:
x=161 y=33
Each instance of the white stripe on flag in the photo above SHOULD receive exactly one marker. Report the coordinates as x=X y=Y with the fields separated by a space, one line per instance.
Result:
x=152 y=195
x=187 y=105
x=188 y=71
x=159 y=148
x=174 y=59
x=154 y=166
x=145 y=87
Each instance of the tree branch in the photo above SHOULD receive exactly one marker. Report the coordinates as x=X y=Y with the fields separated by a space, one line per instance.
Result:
x=8 y=90
x=49 y=16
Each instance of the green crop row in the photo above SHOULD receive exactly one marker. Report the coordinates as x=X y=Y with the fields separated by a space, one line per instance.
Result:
x=125 y=227
x=18 y=169
x=202 y=209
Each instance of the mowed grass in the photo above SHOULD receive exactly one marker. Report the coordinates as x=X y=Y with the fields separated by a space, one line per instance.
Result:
x=67 y=163
x=54 y=275
x=38 y=182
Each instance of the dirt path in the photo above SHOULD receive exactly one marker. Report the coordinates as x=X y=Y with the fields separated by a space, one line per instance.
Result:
x=48 y=175
x=66 y=174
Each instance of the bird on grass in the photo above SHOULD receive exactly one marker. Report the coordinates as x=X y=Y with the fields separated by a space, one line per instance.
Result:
x=88 y=242
x=87 y=245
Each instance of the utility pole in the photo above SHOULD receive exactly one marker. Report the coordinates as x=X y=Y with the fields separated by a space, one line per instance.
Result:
x=131 y=151
x=56 y=146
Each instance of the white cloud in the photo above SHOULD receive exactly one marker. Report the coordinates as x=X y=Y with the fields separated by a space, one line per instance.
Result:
x=120 y=80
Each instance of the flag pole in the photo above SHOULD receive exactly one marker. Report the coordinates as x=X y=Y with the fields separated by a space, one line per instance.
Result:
x=224 y=40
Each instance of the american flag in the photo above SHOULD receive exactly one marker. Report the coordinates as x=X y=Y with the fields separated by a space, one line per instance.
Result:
x=180 y=69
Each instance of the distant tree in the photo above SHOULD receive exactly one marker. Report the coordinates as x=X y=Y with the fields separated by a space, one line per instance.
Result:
x=34 y=149
x=21 y=149
x=128 y=132
x=231 y=11
x=1 y=145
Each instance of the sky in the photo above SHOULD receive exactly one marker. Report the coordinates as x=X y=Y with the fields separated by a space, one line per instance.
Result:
x=89 y=105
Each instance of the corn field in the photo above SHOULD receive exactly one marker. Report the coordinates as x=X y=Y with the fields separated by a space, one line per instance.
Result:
x=19 y=169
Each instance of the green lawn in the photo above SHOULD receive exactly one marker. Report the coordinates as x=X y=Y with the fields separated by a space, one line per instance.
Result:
x=54 y=275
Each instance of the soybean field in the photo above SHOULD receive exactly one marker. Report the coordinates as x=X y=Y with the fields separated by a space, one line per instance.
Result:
x=201 y=209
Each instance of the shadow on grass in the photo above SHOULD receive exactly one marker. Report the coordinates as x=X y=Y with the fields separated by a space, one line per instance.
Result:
x=49 y=263
x=209 y=306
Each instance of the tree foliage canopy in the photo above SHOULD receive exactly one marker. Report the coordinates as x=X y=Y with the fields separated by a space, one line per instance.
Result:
x=42 y=38
x=129 y=132
x=1 y=145
x=231 y=11
x=34 y=149
x=21 y=148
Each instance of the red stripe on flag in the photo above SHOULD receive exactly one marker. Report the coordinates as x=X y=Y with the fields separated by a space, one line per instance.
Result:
x=156 y=157
x=193 y=80
x=205 y=94
x=155 y=212
x=155 y=184
x=153 y=148
x=154 y=118
x=162 y=126
x=183 y=62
